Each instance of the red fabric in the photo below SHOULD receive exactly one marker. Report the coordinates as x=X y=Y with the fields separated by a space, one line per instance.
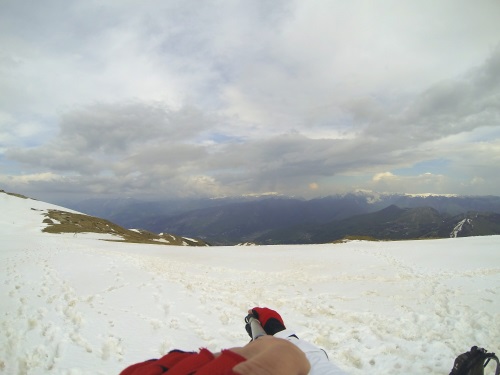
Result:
x=192 y=364
x=139 y=368
x=185 y=363
x=172 y=358
x=157 y=367
x=222 y=365
x=264 y=314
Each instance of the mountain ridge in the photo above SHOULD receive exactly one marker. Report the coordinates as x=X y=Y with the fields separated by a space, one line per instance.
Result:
x=218 y=228
x=391 y=223
x=56 y=219
x=233 y=220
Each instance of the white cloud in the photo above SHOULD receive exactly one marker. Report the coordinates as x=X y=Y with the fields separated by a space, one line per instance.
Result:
x=383 y=176
x=477 y=181
x=423 y=183
x=252 y=96
x=29 y=178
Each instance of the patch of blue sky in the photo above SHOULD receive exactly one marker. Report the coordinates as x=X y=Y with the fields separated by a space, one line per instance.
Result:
x=7 y=166
x=221 y=138
x=33 y=131
x=484 y=133
x=435 y=166
x=33 y=142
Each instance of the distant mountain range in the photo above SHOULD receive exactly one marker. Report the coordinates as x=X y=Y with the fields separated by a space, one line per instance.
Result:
x=280 y=219
x=391 y=223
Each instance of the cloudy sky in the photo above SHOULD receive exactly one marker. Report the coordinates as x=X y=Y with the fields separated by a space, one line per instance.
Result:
x=167 y=98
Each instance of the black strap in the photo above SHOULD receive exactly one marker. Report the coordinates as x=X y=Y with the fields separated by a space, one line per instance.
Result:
x=495 y=358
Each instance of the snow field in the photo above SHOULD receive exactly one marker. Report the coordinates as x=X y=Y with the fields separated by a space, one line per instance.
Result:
x=76 y=305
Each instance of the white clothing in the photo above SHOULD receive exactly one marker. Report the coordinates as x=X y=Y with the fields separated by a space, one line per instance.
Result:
x=320 y=364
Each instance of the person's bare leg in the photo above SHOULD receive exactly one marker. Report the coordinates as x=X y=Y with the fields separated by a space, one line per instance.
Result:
x=273 y=356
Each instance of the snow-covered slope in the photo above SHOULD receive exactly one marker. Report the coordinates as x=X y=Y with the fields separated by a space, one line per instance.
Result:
x=74 y=305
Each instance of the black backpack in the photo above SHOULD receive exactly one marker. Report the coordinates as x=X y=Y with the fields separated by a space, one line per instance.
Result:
x=473 y=362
